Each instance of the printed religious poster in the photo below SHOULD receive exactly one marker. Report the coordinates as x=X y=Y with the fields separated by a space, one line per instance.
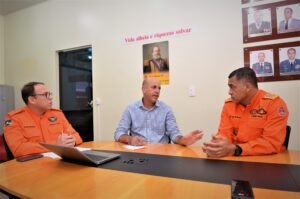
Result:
x=156 y=61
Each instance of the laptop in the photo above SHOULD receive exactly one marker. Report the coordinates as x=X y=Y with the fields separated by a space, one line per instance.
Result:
x=72 y=154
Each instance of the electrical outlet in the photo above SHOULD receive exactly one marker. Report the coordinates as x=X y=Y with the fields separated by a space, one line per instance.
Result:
x=192 y=91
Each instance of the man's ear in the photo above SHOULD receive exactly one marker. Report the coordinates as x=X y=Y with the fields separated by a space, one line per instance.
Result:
x=143 y=89
x=31 y=99
x=248 y=85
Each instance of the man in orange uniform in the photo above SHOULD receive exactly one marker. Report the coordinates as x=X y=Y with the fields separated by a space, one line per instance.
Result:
x=37 y=122
x=253 y=122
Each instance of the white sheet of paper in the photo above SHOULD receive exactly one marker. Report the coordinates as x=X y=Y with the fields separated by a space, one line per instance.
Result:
x=82 y=148
x=130 y=147
x=51 y=155
x=54 y=156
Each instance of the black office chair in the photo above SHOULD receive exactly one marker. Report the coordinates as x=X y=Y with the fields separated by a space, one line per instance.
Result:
x=5 y=153
x=287 y=137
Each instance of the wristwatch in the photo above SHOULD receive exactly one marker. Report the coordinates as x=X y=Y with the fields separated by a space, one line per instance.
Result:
x=238 y=150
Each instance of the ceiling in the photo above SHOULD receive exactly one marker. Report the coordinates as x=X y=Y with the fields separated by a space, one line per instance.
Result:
x=10 y=6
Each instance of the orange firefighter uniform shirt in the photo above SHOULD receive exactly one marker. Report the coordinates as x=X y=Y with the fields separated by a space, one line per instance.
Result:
x=259 y=128
x=23 y=130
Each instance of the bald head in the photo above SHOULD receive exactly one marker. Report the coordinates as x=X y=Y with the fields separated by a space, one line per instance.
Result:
x=151 y=91
x=150 y=80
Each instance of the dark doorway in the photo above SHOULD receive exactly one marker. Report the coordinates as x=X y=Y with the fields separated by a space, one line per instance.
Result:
x=75 y=80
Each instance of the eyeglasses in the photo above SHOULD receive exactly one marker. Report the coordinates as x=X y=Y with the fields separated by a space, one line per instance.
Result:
x=46 y=95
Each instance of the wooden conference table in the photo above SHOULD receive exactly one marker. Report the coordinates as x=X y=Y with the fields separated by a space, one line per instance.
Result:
x=53 y=178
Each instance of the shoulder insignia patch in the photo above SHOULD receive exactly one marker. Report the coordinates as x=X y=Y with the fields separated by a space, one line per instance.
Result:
x=7 y=123
x=281 y=111
x=270 y=96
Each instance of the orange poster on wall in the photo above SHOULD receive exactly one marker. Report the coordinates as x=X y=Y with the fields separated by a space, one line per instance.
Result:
x=156 y=61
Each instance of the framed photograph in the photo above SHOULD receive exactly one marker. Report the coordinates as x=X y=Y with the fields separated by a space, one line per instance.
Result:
x=288 y=18
x=289 y=60
x=276 y=62
x=271 y=21
x=259 y=22
x=156 y=61
x=262 y=62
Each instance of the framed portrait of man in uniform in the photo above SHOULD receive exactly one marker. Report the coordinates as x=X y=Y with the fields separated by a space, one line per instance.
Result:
x=274 y=62
x=156 y=61
x=259 y=22
x=268 y=21
x=262 y=62
x=289 y=60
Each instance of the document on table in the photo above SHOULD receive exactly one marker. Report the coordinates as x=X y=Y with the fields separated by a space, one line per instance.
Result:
x=131 y=147
x=82 y=148
x=51 y=155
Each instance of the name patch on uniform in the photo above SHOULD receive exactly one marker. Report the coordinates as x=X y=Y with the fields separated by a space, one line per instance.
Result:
x=234 y=117
x=52 y=118
x=281 y=111
x=258 y=112
x=29 y=126
x=7 y=122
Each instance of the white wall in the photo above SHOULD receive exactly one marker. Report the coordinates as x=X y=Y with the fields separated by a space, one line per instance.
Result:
x=203 y=59
x=1 y=50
